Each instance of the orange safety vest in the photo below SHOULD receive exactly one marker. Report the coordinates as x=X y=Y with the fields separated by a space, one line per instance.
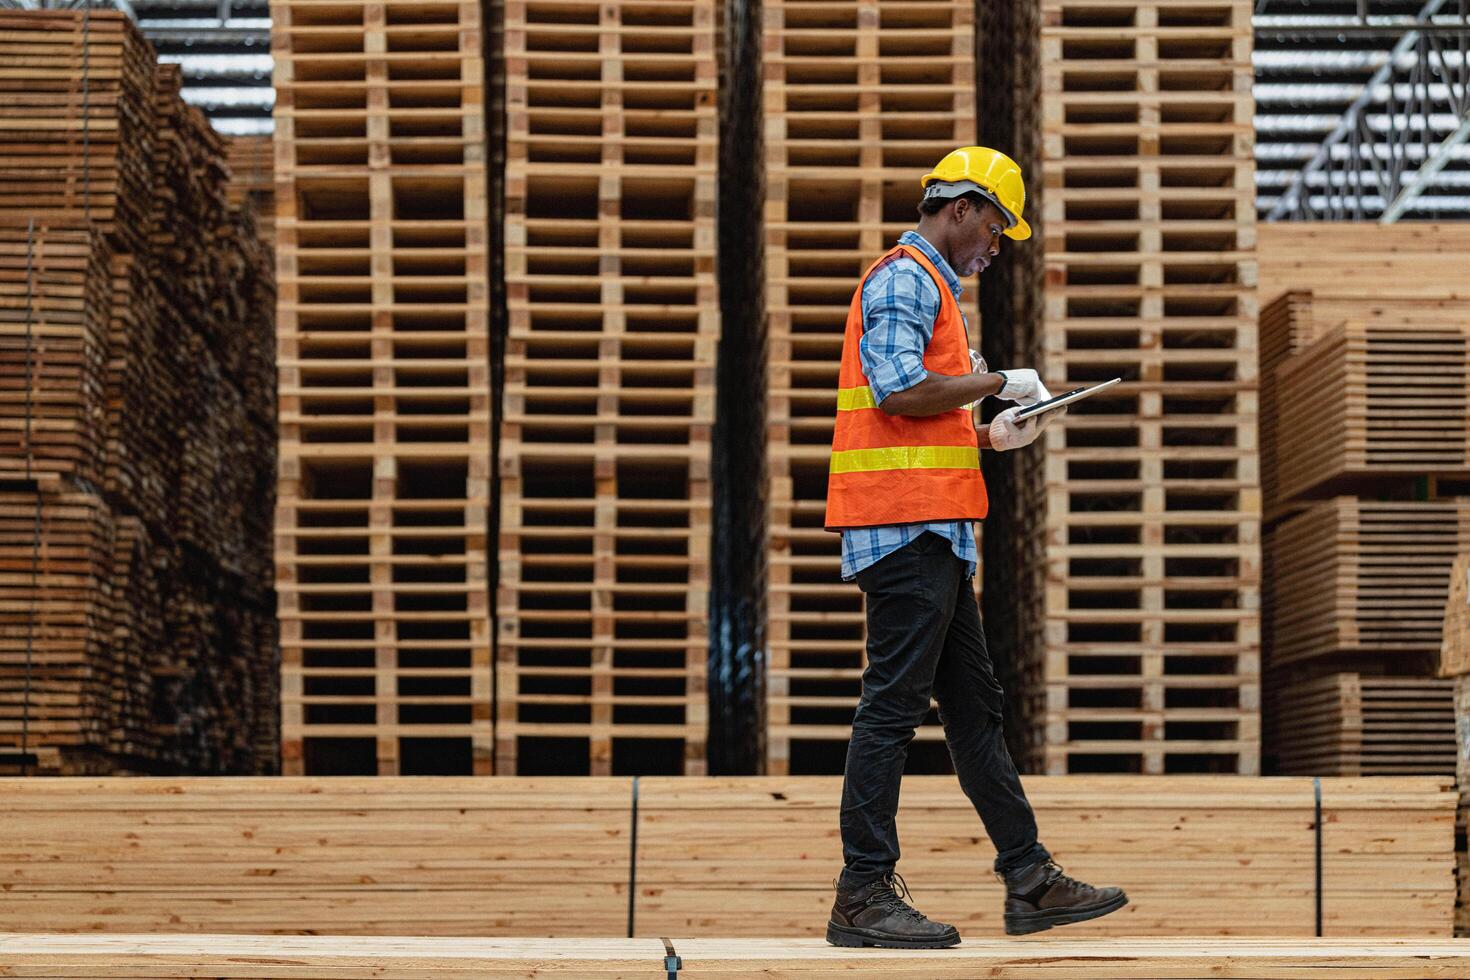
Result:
x=902 y=469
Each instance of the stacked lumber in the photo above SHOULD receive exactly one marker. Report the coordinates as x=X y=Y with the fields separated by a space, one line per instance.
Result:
x=1409 y=260
x=310 y=957
x=1150 y=660
x=613 y=320
x=860 y=99
x=76 y=121
x=137 y=412
x=1252 y=839
x=723 y=857
x=1348 y=724
x=1367 y=481
x=1366 y=579
x=384 y=354
x=252 y=179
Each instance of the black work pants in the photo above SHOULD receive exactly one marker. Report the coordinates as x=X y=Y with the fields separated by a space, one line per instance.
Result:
x=925 y=637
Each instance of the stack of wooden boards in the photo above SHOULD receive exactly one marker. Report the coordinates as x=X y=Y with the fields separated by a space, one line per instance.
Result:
x=860 y=100
x=1215 y=856
x=409 y=958
x=1149 y=660
x=1348 y=724
x=137 y=434
x=383 y=331
x=613 y=320
x=252 y=178
x=1365 y=456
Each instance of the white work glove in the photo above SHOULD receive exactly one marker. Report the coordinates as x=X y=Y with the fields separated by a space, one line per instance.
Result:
x=977 y=366
x=1006 y=434
x=1022 y=386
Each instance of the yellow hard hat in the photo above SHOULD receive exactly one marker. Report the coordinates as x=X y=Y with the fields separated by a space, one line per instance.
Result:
x=991 y=174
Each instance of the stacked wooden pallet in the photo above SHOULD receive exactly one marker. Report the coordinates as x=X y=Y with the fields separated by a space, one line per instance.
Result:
x=137 y=395
x=383 y=335
x=860 y=100
x=613 y=309
x=712 y=857
x=1349 y=724
x=1151 y=655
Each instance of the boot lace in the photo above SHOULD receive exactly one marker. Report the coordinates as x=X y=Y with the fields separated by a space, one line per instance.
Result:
x=892 y=897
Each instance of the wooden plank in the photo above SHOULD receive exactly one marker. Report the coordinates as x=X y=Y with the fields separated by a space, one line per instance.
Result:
x=38 y=955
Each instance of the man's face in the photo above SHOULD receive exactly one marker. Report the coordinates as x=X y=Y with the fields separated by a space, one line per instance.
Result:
x=977 y=235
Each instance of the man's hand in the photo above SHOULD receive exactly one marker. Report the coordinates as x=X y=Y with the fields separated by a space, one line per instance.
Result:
x=1005 y=433
x=1023 y=386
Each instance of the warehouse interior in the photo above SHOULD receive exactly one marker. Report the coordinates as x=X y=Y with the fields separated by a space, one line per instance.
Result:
x=415 y=426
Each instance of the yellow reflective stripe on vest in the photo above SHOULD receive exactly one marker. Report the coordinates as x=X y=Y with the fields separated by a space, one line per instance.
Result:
x=851 y=399
x=906 y=458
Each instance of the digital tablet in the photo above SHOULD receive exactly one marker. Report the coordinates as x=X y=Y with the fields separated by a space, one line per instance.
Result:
x=1067 y=398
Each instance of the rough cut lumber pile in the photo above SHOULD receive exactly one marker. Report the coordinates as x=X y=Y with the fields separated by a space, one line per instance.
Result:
x=714 y=857
x=136 y=419
x=1150 y=661
x=314 y=957
x=252 y=179
x=1354 y=725
x=384 y=345
x=860 y=99
x=602 y=607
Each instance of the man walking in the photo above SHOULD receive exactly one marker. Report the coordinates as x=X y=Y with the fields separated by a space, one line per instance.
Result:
x=904 y=489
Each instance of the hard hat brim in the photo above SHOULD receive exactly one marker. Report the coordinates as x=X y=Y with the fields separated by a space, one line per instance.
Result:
x=1019 y=232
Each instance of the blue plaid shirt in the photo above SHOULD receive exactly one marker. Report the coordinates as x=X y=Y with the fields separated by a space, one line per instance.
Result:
x=900 y=304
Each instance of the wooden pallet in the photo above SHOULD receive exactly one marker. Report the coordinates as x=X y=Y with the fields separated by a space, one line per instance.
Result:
x=613 y=320
x=1150 y=654
x=1350 y=724
x=385 y=396
x=1364 y=579
x=860 y=99
x=714 y=857
x=330 y=956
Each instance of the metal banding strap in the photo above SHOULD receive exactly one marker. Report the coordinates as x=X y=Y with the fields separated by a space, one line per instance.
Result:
x=633 y=860
x=906 y=458
x=1317 y=826
x=672 y=963
x=852 y=399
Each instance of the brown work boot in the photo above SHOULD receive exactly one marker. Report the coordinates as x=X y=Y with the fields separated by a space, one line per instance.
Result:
x=1041 y=896
x=876 y=914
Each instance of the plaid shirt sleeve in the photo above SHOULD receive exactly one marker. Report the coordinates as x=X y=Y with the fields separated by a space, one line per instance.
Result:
x=900 y=303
